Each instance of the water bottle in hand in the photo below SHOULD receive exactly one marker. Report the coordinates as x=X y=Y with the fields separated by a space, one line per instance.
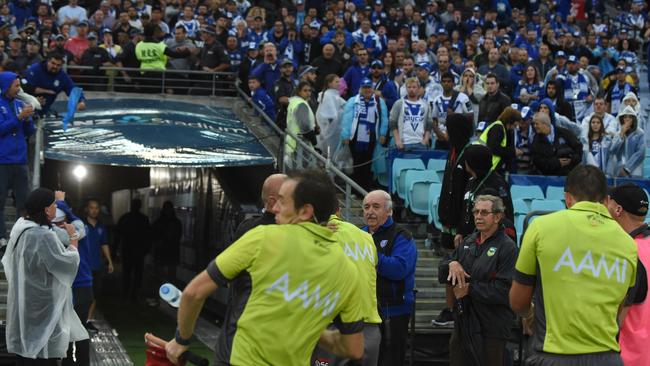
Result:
x=170 y=294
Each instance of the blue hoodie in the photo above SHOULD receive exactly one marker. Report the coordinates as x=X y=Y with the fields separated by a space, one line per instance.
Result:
x=13 y=132
x=38 y=76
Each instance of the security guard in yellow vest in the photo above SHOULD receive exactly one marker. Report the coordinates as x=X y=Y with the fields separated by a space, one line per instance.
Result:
x=152 y=55
x=498 y=137
x=301 y=122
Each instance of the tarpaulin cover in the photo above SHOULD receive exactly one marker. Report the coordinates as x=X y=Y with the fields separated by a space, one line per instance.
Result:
x=154 y=133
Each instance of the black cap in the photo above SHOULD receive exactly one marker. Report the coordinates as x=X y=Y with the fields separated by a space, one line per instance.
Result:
x=631 y=197
x=38 y=200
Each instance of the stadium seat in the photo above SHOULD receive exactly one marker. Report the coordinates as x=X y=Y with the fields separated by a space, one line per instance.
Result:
x=526 y=193
x=555 y=193
x=434 y=197
x=647 y=152
x=380 y=169
x=547 y=205
x=520 y=211
x=399 y=166
x=438 y=165
x=417 y=189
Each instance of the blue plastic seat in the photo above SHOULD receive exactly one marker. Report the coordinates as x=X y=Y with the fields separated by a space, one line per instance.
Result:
x=555 y=193
x=379 y=167
x=547 y=205
x=526 y=193
x=647 y=152
x=434 y=198
x=438 y=165
x=417 y=190
x=399 y=166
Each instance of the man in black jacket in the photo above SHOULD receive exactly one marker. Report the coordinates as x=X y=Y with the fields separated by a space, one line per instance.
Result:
x=248 y=64
x=555 y=150
x=326 y=64
x=494 y=102
x=134 y=232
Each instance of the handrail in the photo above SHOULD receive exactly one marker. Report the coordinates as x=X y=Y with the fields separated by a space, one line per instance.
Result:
x=349 y=183
x=132 y=69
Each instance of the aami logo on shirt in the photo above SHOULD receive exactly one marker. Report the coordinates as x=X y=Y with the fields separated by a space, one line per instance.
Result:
x=357 y=254
x=302 y=292
x=618 y=265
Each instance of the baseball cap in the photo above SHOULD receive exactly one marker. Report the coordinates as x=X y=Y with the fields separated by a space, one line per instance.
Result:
x=442 y=31
x=305 y=69
x=15 y=37
x=82 y=23
x=252 y=46
x=366 y=83
x=477 y=8
x=377 y=63
x=59 y=36
x=378 y=2
x=209 y=29
x=576 y=34
x=631 y=197
x=560 y=53
x=300 y=2
x=92 y=35
x=286 y=61
x=33 y=39
x=424 y=65
x=107 y=30
x=572 y=58
x=314 y=24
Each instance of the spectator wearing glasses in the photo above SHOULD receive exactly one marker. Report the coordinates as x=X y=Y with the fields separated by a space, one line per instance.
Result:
x=481 y=270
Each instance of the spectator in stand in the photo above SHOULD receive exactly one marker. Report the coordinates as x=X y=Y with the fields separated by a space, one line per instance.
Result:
x=555 y=93
x=98 y=21
x=523 y=139
x=328 y=115
x=555 y=150
x=355 y=74
x=72 y=15
x=544 y=63
x=529 y=88
x=609 y=122
x=596 y=145
x=473 y=89
x=576 y=89
x=448 y=102
x=122 y=25
x=326 y=64
x=96 y=57
x=618 y=90
x=495 y=100
x=47 y=79
x=129 y=59
x=628 y=146
x=153 y=58
x=308 y=73
x=364 y=123
x=384 y=88
x=283 y=90
x=411 y=119
x=260 y=98
x=33 y=54
x=212 y=58
x=16 y=53
x=249 y=62
x=495 y=68
x=269 y=70
x=16 y=125
x=78 y=43
x=107 y=43
x=498 y=137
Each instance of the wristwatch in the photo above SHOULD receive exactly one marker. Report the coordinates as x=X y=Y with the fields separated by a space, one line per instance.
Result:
x=180 y=340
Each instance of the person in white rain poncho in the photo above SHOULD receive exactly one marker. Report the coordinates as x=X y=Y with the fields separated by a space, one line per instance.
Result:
x=328 y=115
x=41 y=322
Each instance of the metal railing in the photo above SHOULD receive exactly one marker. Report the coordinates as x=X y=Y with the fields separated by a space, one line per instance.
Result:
x=305 y=156
x=171 y=81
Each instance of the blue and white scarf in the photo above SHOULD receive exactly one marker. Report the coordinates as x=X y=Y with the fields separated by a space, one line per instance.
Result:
x=365 y=116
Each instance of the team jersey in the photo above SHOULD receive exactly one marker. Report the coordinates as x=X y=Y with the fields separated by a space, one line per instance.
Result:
x=582 y=264
x=192 y=26
x=360 y=248
x=300 y=282
x=442 y=103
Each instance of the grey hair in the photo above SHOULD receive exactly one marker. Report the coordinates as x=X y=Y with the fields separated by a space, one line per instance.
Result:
x=497 y=203
x=388 y=200
x=543 y=118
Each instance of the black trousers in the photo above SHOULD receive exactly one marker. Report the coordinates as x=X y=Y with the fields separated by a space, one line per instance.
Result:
x=82 y=298
x=132 y=268
x=21 y=361
x=362 y=174
x=493 y=351
x=394 y=334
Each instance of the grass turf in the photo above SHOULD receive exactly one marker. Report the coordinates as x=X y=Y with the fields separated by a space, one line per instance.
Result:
x=132 y=321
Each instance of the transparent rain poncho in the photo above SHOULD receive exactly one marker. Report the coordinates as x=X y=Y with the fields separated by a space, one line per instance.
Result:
x=41 y=321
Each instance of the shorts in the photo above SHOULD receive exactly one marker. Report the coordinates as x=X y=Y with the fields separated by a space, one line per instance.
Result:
x=589 y=359
x=82 y=298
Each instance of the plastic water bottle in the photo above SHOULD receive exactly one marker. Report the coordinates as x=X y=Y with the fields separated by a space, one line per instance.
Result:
x=170 y=294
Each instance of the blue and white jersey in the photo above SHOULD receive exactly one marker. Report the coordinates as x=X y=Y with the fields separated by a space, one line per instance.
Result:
x=253 y=36
x=436 y=77
x=431 y=24
x=236 y=58
x=369 y=40
x=414 y=121
x=442 y=103
x=472 y=23
x=576 y=90
x=378 y=18
x=523 y=88
x=617 y=94
x=192 y=26
x=242 y=6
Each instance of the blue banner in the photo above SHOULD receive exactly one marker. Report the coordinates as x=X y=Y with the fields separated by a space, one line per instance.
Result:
x=153 y=133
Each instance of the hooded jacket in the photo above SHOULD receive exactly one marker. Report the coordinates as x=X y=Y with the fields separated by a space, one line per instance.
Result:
x=556 y=118
x=628 y=151
x=460 y=130
x=13 y=132
x=562 y=107
x=38 y=76
x=545 y=154
x=487 y=181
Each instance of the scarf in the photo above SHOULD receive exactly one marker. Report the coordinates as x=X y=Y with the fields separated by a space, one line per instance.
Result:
x=365 y=116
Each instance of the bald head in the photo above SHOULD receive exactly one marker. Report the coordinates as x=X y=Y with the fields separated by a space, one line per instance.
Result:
x=270 y=189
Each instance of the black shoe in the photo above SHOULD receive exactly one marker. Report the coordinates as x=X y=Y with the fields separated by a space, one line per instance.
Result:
x=444 y=319
x=90 y=327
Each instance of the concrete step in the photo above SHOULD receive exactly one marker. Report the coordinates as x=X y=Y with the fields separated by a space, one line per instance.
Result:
x=436 y=304
x=427 y=315
x=431 y=293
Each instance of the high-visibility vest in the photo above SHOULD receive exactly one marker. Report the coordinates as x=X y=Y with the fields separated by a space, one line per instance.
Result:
x=293 y=125
x=151 y=55
x=482 y=140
